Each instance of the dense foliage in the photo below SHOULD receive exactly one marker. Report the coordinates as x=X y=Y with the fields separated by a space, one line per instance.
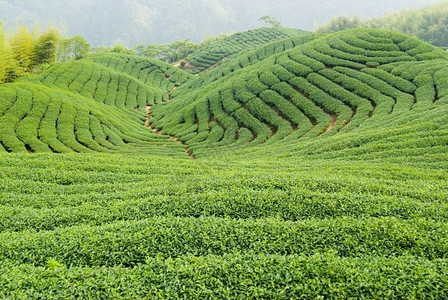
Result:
x=27 y=52
x=301 y=167
x=429 y=24
x=111 y=226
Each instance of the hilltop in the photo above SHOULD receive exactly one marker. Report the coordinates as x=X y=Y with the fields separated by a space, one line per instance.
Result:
x=274 y=163
x=230 y=47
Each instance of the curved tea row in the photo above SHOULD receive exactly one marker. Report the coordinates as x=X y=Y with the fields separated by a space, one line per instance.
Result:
x=86 y=106
x=238 y=43
x=327 y=86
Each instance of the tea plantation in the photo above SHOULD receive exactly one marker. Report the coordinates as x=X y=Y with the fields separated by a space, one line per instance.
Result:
x=302 y=167
x=230 y=47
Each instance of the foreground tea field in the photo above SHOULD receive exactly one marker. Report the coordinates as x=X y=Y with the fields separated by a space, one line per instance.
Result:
x=105 y=226
x=303 y=166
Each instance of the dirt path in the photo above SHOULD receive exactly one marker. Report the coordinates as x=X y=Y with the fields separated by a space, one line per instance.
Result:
x=332 y=123
x=173 y=138
x=148 y=116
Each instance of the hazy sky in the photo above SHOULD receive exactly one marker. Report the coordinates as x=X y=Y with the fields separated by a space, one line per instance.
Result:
x=104 y=22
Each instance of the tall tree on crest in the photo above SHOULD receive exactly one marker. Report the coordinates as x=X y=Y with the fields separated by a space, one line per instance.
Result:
x=23 y=48
x=47 y=47
x=6 y=58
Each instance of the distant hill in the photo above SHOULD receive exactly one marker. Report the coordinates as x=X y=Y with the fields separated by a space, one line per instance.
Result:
x=215 y=53
x=104 y=22
x=429 y=23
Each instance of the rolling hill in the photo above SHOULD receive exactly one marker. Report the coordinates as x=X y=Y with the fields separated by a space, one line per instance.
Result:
x=307 y=166
x=214 y=54
x=95 y=104
x=334 y=85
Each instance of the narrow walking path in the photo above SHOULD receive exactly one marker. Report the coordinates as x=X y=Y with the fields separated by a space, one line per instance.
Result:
x=173 y=138
x=334 y=118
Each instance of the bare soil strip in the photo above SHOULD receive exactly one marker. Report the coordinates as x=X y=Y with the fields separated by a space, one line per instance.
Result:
x=332 y=123
x=173 y=138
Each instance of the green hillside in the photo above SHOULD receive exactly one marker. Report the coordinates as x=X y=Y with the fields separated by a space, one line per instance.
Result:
x=244 y=60
x=212 y=55
x=99 y=104
x=309 y=167
x=337 y=84
x=38 y=119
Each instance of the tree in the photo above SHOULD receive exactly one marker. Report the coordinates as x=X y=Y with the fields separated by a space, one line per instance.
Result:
x=73 y=48
x=210 y=39
x=117 y=48
x=46 y=50
x=340 y=23
x=271 y=20
x=23 y=49
x=152 y=50
x=181 y=49
x=6 y=59
x=170 y=52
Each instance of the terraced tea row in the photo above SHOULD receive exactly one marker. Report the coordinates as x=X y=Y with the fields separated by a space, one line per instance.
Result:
x=151 y=72
x=102 y=85
x=233 y=275
x=209 y=56
x=35 y=118
x=229 y=66
x=305 y=93
x=106 y=218
x=131 y=243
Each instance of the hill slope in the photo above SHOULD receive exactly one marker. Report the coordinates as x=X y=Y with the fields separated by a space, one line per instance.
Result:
x=335 y=84
x=99 y=103
x=211 y=55
x=297 y=95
